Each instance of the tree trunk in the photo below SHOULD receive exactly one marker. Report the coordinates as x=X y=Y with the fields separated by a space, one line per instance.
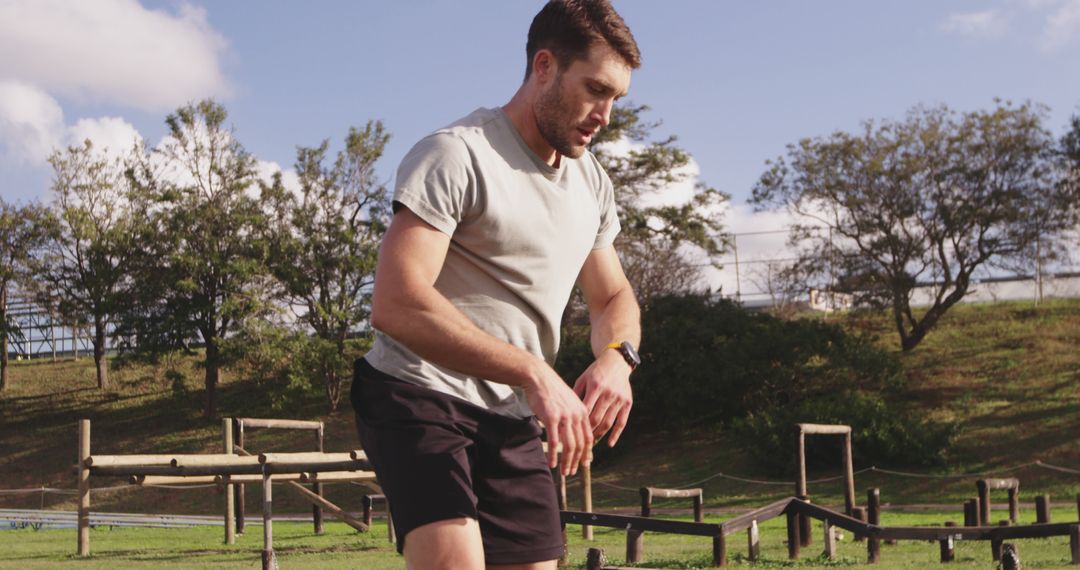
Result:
x=213 y=374
x=333 y=389
x=99 y=354
x=3 y=339
x=3 y=358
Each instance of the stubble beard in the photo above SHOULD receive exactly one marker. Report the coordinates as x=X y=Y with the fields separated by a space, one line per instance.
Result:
x=553 y=120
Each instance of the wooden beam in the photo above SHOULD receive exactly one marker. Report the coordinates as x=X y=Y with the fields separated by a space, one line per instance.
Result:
x=303 y=457
x=641 y=523
x=150 y=480
x=824 y=429
x=337 y=476
x=745 y=520
x=279 y=424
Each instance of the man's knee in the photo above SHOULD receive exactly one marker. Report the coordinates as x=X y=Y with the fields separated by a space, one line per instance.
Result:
x=445 y=545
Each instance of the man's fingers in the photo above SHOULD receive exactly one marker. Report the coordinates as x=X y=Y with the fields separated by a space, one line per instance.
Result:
x=553 y=447
x=620 y=425
x=569 y=445
x=599 y=413
x=579 y=388
x=601 y=427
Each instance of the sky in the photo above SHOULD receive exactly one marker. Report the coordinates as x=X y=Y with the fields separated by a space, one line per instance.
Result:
x=734 y=81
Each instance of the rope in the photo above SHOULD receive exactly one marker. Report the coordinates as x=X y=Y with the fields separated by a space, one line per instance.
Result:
x=577 y=480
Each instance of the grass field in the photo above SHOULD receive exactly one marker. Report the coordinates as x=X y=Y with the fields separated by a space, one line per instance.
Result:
x=1008 y=372
x=341 y=547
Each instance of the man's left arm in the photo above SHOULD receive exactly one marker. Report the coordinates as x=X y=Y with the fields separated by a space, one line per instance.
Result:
x=615 y=318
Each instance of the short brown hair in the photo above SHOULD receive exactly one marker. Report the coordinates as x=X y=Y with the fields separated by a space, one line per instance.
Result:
x=570 y=27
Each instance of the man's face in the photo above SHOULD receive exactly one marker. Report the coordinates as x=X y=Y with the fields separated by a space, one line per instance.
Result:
x=577 y=102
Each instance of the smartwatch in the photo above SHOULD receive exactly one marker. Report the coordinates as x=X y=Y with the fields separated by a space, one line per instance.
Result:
x=629 y=354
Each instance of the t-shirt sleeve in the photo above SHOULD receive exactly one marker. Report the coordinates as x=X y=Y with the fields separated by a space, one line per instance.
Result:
x=436 y=181
x=609 y=217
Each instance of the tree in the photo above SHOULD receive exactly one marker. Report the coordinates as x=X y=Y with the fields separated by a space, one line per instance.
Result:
x=92 y=236
x=326 y=245
x=656 y=241
x=22 y=233
x=925 y=200
x=202 y=271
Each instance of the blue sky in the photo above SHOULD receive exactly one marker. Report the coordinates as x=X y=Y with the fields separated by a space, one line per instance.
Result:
x=735 y=81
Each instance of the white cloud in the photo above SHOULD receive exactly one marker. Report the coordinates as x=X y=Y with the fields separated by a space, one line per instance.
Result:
x=990 y=23
x=31 y=124
x=108 y=134
x=114 y=51
x=1062 y=26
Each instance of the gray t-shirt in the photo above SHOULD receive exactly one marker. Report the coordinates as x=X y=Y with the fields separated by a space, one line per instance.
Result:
x=520 y=231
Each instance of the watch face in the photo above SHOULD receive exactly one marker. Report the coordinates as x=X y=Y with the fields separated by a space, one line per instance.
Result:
x=630 y=354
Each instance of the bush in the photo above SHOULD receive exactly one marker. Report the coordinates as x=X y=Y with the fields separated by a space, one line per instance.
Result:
x=709 y=362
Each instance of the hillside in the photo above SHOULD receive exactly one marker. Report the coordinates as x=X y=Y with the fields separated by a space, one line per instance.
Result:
x=1009 y=372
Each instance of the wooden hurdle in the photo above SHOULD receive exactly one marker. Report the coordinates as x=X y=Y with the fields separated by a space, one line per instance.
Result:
x=1010 y=484
x=803 y=430
x=244 y=424
x=180 y=469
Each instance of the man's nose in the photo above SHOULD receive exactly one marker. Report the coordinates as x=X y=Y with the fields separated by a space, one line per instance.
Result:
x=602 y=112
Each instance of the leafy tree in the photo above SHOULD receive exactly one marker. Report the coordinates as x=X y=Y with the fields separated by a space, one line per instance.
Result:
x=85 y=263
x=22 y=233
x=930 y=198
x=202 y=270
x=655 y=239
x=326 y=245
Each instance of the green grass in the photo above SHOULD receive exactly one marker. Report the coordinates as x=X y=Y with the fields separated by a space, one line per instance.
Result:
x=341 y=547
x=1008 y=372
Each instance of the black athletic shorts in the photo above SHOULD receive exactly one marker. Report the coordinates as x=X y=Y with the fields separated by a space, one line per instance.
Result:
x=439 y=457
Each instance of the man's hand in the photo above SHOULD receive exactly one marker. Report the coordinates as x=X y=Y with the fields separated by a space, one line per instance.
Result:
x=565 y=418
x=605 y=388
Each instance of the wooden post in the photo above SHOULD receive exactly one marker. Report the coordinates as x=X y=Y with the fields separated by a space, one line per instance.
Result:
x=1074 y=542
x=365 y=504
x=753 y=539
x=269 y=561
x=239 y=492
x=84 y=488
x=562 y=491
x=391 y=534
x=646 y=501
x=971 y=512
x=699 y=508
x=793 y=534
x=1078 y=506
x=801 y=490
x=1042 y=509
x=830 y=541
x=995 y=545
x=849 y=476
x=805 y=528
x=586 y=498
x=873 y=544
x=230 y=506
x=859 y=513
x=948 y=546
x=635 y=545
x=1010 y=557
x=1014 y=505
x=719 y=550
x=595 y=559
x=317 y=488
x=984 y=503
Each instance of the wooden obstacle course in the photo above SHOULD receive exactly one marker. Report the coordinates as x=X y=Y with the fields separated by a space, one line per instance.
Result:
x=189 y=469
x=368 y=502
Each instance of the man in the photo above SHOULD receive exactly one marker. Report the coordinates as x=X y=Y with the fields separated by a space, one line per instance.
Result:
x=496 y=217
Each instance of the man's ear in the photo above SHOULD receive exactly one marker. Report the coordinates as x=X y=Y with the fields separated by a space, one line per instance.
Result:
x=544 y=65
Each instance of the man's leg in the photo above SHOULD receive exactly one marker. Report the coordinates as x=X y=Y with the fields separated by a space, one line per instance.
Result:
x=452 y=544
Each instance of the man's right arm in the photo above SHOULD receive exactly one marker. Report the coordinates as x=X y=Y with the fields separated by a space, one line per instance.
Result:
x=407 y=307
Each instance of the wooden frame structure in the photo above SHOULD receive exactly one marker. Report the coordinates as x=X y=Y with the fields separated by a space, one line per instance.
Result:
x=237 y=489
x=793 y=508
x=801 y=492
x=191 y=469
x=1010 y=484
